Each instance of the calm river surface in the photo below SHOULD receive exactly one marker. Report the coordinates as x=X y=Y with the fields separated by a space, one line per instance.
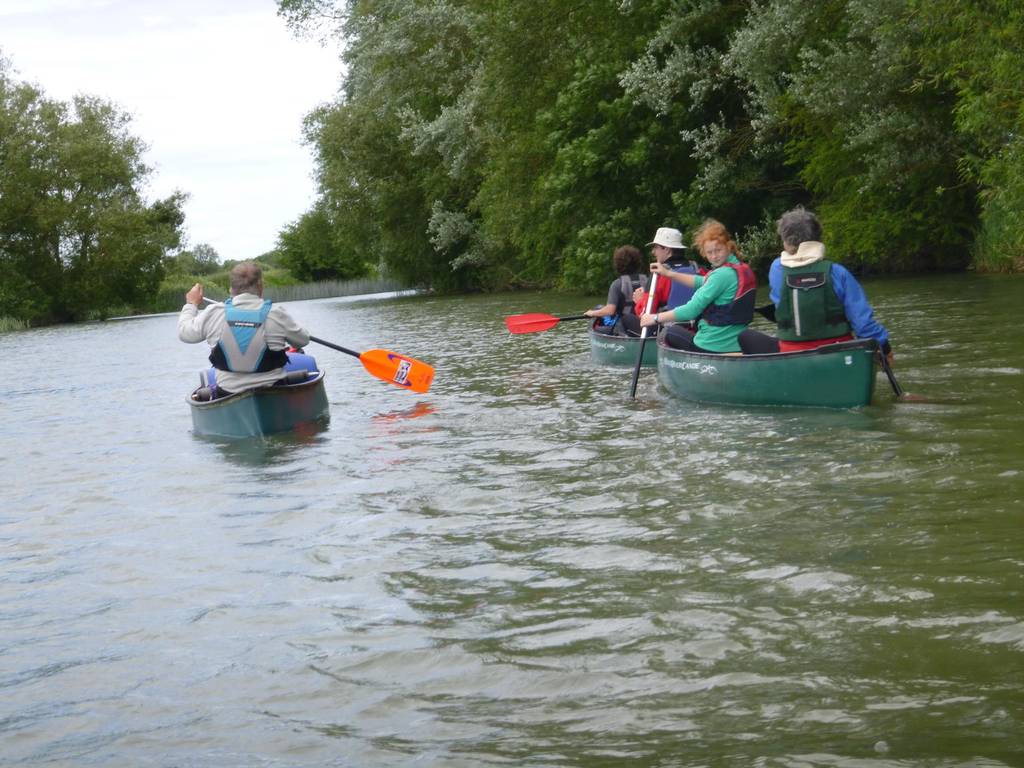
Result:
x=520 y=568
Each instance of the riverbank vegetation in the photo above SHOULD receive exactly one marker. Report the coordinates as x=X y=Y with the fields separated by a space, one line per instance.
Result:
x=280 y=282
x=498 y=144
x=506 y=143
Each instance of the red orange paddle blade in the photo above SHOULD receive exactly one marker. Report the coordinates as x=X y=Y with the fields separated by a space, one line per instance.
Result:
x=536 y=321
x=402 y=371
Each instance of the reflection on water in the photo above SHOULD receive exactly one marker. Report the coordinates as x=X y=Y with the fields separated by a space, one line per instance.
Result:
x=270 y=450
x=404 y=414
x=520 y=567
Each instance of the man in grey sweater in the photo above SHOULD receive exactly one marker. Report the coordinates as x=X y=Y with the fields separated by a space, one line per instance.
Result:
x=247 y=334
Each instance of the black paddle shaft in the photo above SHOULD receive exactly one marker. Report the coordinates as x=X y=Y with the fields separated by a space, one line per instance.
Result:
x=334 y=346
x=636 y=369
x=889 y=374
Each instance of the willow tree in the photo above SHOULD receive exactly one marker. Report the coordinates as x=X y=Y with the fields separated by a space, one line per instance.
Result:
x=384 y=184
x=820 y=103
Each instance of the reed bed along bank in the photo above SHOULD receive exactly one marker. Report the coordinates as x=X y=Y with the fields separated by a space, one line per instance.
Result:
x=12 y=324
x=172 y=295
x=329 y=289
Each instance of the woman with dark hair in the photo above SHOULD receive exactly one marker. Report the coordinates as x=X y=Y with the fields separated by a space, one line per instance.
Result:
x=723 y=301
x=627 y=263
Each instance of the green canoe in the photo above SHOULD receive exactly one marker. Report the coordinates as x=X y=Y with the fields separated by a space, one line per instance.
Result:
x=264 y=411
x=621 y=350
x=834 y=376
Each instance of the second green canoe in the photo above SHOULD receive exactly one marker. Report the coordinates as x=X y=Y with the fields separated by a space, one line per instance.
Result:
x=621 y=351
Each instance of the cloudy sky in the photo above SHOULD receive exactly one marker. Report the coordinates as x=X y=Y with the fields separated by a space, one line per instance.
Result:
x=217 y=88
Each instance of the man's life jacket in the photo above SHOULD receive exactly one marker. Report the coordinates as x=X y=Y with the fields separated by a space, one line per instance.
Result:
x=741 y=310
x=243 y=349
x=808 y=307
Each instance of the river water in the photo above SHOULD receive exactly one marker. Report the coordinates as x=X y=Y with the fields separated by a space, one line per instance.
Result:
x=520 y=567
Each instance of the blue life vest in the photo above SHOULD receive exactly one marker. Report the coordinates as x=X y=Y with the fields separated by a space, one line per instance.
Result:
x=243 y=349
x=679 y=293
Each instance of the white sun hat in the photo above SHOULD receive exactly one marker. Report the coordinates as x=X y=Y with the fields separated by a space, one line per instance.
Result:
x=667 y=237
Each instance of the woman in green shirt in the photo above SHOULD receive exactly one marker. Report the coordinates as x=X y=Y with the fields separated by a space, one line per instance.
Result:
x=723 y=301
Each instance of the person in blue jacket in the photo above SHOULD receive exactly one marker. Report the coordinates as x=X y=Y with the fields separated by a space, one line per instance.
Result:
x=816 y=301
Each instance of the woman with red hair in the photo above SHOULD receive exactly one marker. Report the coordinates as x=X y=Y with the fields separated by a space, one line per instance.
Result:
x=723 y=301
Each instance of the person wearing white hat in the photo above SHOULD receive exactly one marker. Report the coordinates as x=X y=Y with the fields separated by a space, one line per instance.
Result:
x=668 y=249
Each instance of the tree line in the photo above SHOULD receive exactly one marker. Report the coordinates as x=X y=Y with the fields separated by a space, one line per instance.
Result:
x=497 y=144
x=485 y=144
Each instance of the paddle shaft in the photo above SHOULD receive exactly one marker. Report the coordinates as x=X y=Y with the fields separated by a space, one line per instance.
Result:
x=643 y=339
x=572 y=317
x=334 y=346
x=896 y=388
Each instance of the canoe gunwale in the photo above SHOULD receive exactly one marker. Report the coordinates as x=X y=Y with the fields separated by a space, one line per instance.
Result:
x=275 y=390
x=827 y=349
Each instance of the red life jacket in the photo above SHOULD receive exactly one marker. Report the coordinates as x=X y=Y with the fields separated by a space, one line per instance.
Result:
x=741 y=310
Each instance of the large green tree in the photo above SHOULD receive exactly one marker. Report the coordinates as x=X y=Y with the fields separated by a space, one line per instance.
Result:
x=381 y=185
x=76 y=235
x=817 y=102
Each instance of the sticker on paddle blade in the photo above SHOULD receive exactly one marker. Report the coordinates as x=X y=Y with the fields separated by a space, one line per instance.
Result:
x=402 y=374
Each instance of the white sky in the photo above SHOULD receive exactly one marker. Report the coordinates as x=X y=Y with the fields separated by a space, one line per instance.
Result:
x=217 y=89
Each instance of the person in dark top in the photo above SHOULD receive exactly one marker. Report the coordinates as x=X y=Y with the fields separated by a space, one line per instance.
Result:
x=628 y=263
